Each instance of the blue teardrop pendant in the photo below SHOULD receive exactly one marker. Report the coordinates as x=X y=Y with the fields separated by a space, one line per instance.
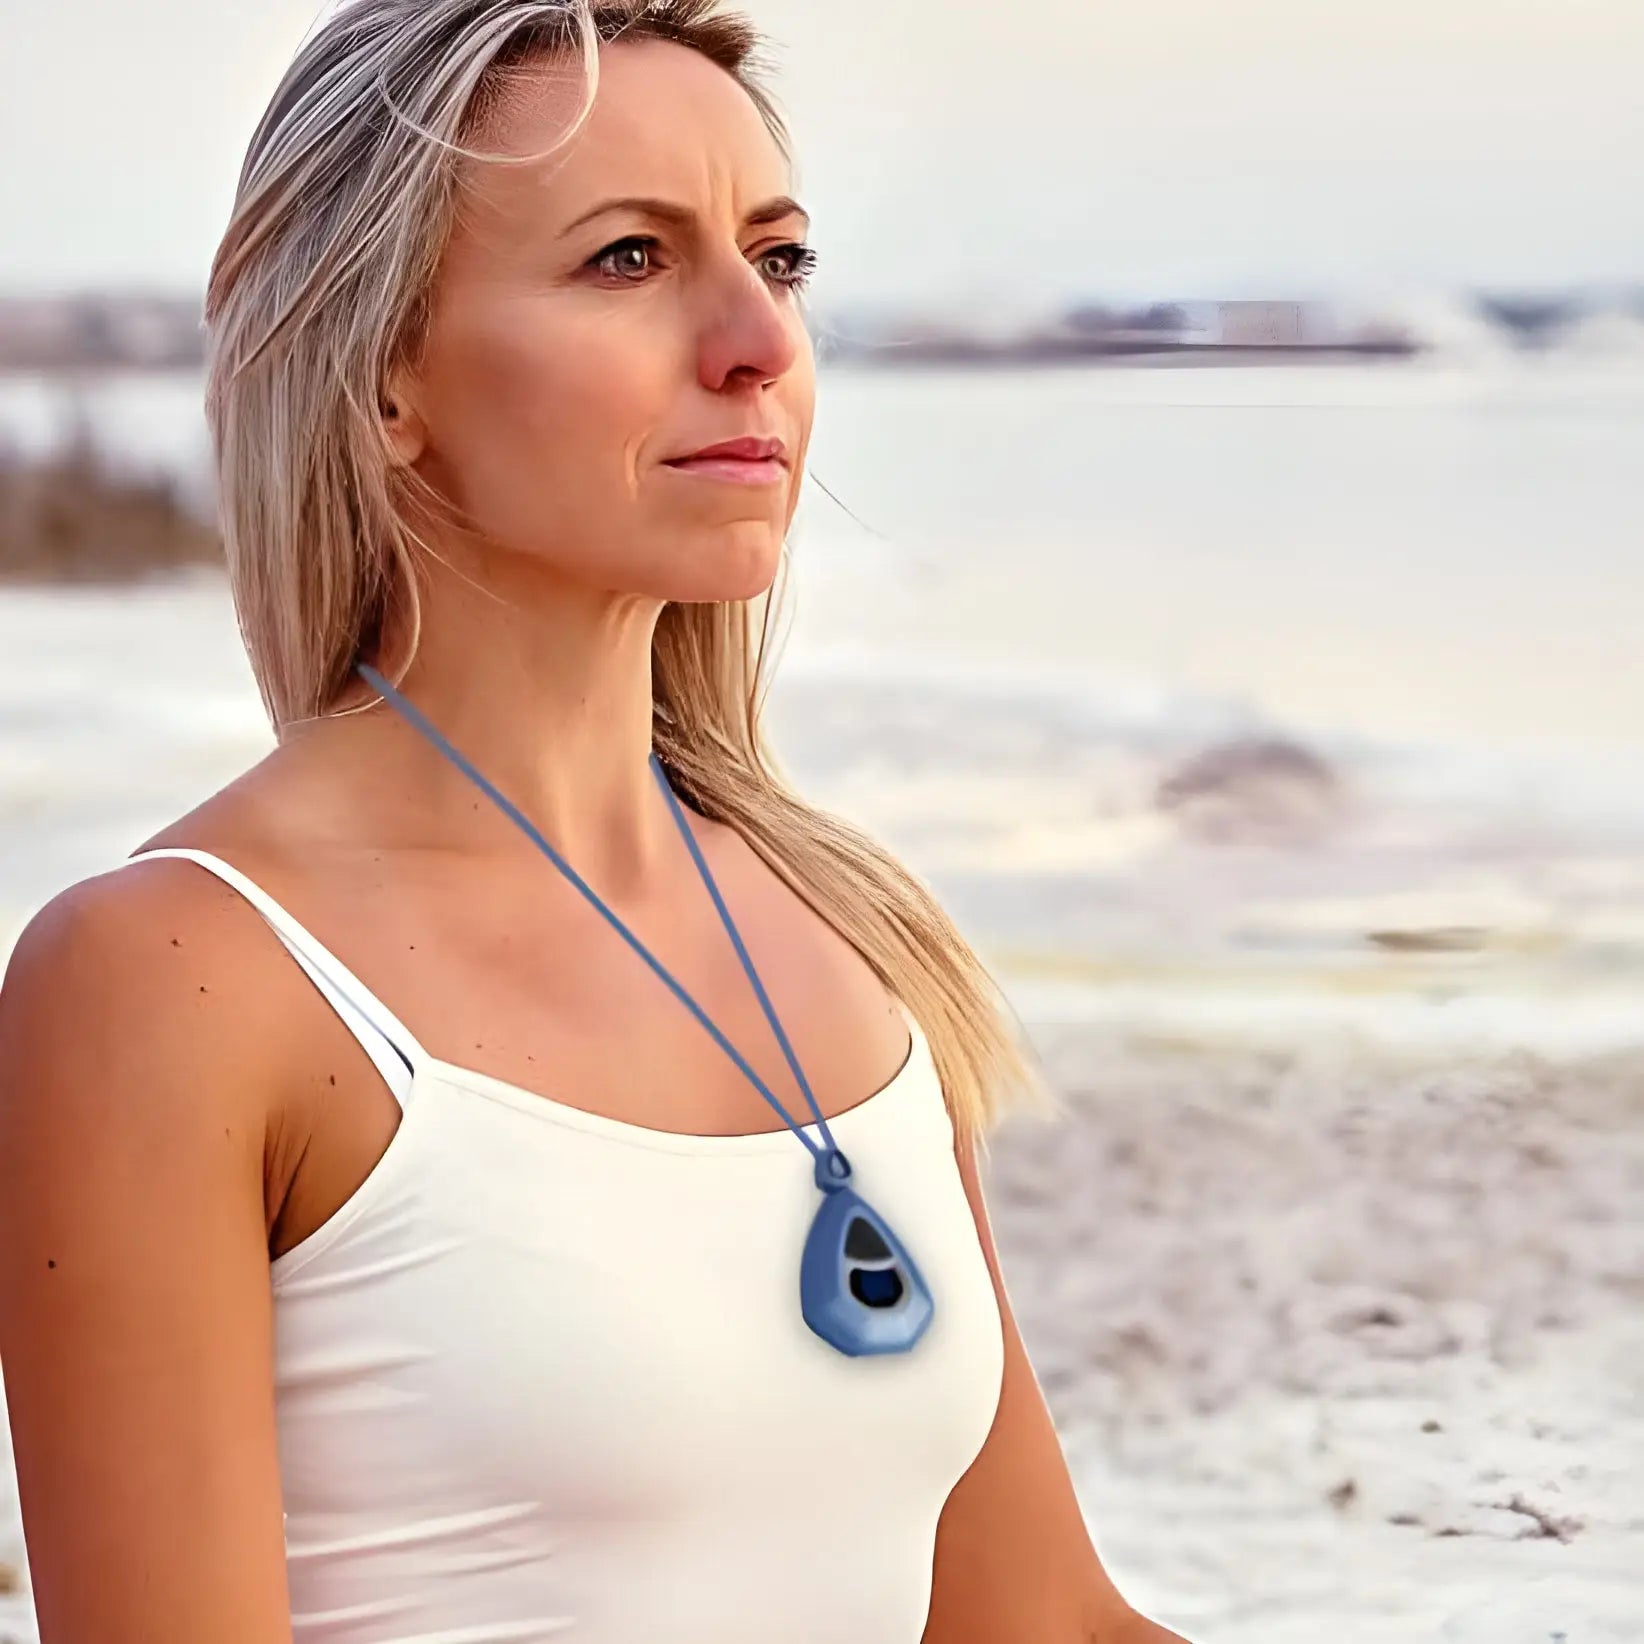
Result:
x=859 y=1289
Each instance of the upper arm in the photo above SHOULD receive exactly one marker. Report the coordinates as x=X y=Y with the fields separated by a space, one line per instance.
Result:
x=1013 y=1556
x=135 y=1310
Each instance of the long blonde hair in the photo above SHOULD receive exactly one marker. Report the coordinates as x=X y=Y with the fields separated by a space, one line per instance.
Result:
x=319 y=288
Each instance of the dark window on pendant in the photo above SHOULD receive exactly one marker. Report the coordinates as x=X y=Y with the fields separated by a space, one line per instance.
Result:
x=863 y=1243
x=876 y=1288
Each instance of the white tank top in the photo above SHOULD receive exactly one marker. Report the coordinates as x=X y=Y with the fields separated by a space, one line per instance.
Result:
x=544 y=1375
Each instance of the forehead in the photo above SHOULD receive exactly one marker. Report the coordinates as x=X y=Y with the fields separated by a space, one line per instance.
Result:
x=665 y=121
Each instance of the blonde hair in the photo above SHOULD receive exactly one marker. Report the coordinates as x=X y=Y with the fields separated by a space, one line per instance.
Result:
x=319 y=289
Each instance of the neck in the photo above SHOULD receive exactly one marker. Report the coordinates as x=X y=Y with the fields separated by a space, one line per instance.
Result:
x=546 y=691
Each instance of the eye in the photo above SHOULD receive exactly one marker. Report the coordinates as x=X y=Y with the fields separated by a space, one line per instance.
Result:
x=639 y=242
x=796 y=261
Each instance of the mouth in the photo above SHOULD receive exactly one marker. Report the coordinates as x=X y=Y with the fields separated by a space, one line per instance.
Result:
x=734 y=470
x=750 y=459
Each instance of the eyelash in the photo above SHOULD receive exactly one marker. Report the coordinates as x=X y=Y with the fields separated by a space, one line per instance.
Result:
x=802 y=258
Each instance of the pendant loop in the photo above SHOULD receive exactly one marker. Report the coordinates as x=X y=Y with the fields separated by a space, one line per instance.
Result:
x=833 y=1170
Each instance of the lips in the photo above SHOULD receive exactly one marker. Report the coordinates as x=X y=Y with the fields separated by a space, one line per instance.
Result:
x=748 y=448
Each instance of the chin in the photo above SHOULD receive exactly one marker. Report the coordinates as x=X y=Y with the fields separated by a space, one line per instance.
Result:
x=732 y=571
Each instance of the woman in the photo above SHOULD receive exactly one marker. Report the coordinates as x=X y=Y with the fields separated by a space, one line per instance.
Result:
x=313 y=1332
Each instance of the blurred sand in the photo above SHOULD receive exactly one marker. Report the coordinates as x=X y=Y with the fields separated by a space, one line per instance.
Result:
x=1342 y=1345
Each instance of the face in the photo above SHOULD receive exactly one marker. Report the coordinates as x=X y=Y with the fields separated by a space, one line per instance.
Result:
x=573 y=350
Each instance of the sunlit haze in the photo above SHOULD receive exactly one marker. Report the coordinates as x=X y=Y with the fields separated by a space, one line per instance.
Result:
x=1174 y=148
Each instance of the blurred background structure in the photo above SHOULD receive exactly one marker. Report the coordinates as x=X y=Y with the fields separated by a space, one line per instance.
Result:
x=1227 y=592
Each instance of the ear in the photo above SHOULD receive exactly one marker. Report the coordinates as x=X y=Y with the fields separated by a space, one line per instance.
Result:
x=402 y=425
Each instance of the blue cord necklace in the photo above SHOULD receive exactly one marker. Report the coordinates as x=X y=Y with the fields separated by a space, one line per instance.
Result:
x=859 y=1289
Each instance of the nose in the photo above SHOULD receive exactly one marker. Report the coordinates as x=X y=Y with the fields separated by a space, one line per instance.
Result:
x=750 y=330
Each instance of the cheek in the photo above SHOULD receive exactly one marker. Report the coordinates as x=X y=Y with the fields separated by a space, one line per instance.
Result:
x=536 y=427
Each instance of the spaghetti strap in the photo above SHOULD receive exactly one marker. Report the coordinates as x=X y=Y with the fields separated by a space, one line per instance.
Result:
x=384 y=1038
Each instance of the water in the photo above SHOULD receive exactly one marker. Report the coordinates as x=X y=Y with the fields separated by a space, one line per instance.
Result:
x=1058 y=587
x=1027 y=602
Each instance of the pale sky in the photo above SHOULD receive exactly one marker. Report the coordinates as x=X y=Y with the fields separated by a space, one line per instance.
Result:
x=1154 y=148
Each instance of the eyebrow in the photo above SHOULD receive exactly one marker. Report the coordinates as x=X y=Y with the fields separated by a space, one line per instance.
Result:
x=773 y=211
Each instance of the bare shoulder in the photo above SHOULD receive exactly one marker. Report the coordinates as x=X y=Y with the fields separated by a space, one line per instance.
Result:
x=129 y=966
x=145 y=1006
x=135 y=1318
x=140 y=1021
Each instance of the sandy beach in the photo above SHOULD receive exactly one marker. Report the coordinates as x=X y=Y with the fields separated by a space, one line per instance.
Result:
x=1343 y=1346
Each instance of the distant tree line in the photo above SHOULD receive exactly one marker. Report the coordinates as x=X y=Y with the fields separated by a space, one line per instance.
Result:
x=101 y=332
